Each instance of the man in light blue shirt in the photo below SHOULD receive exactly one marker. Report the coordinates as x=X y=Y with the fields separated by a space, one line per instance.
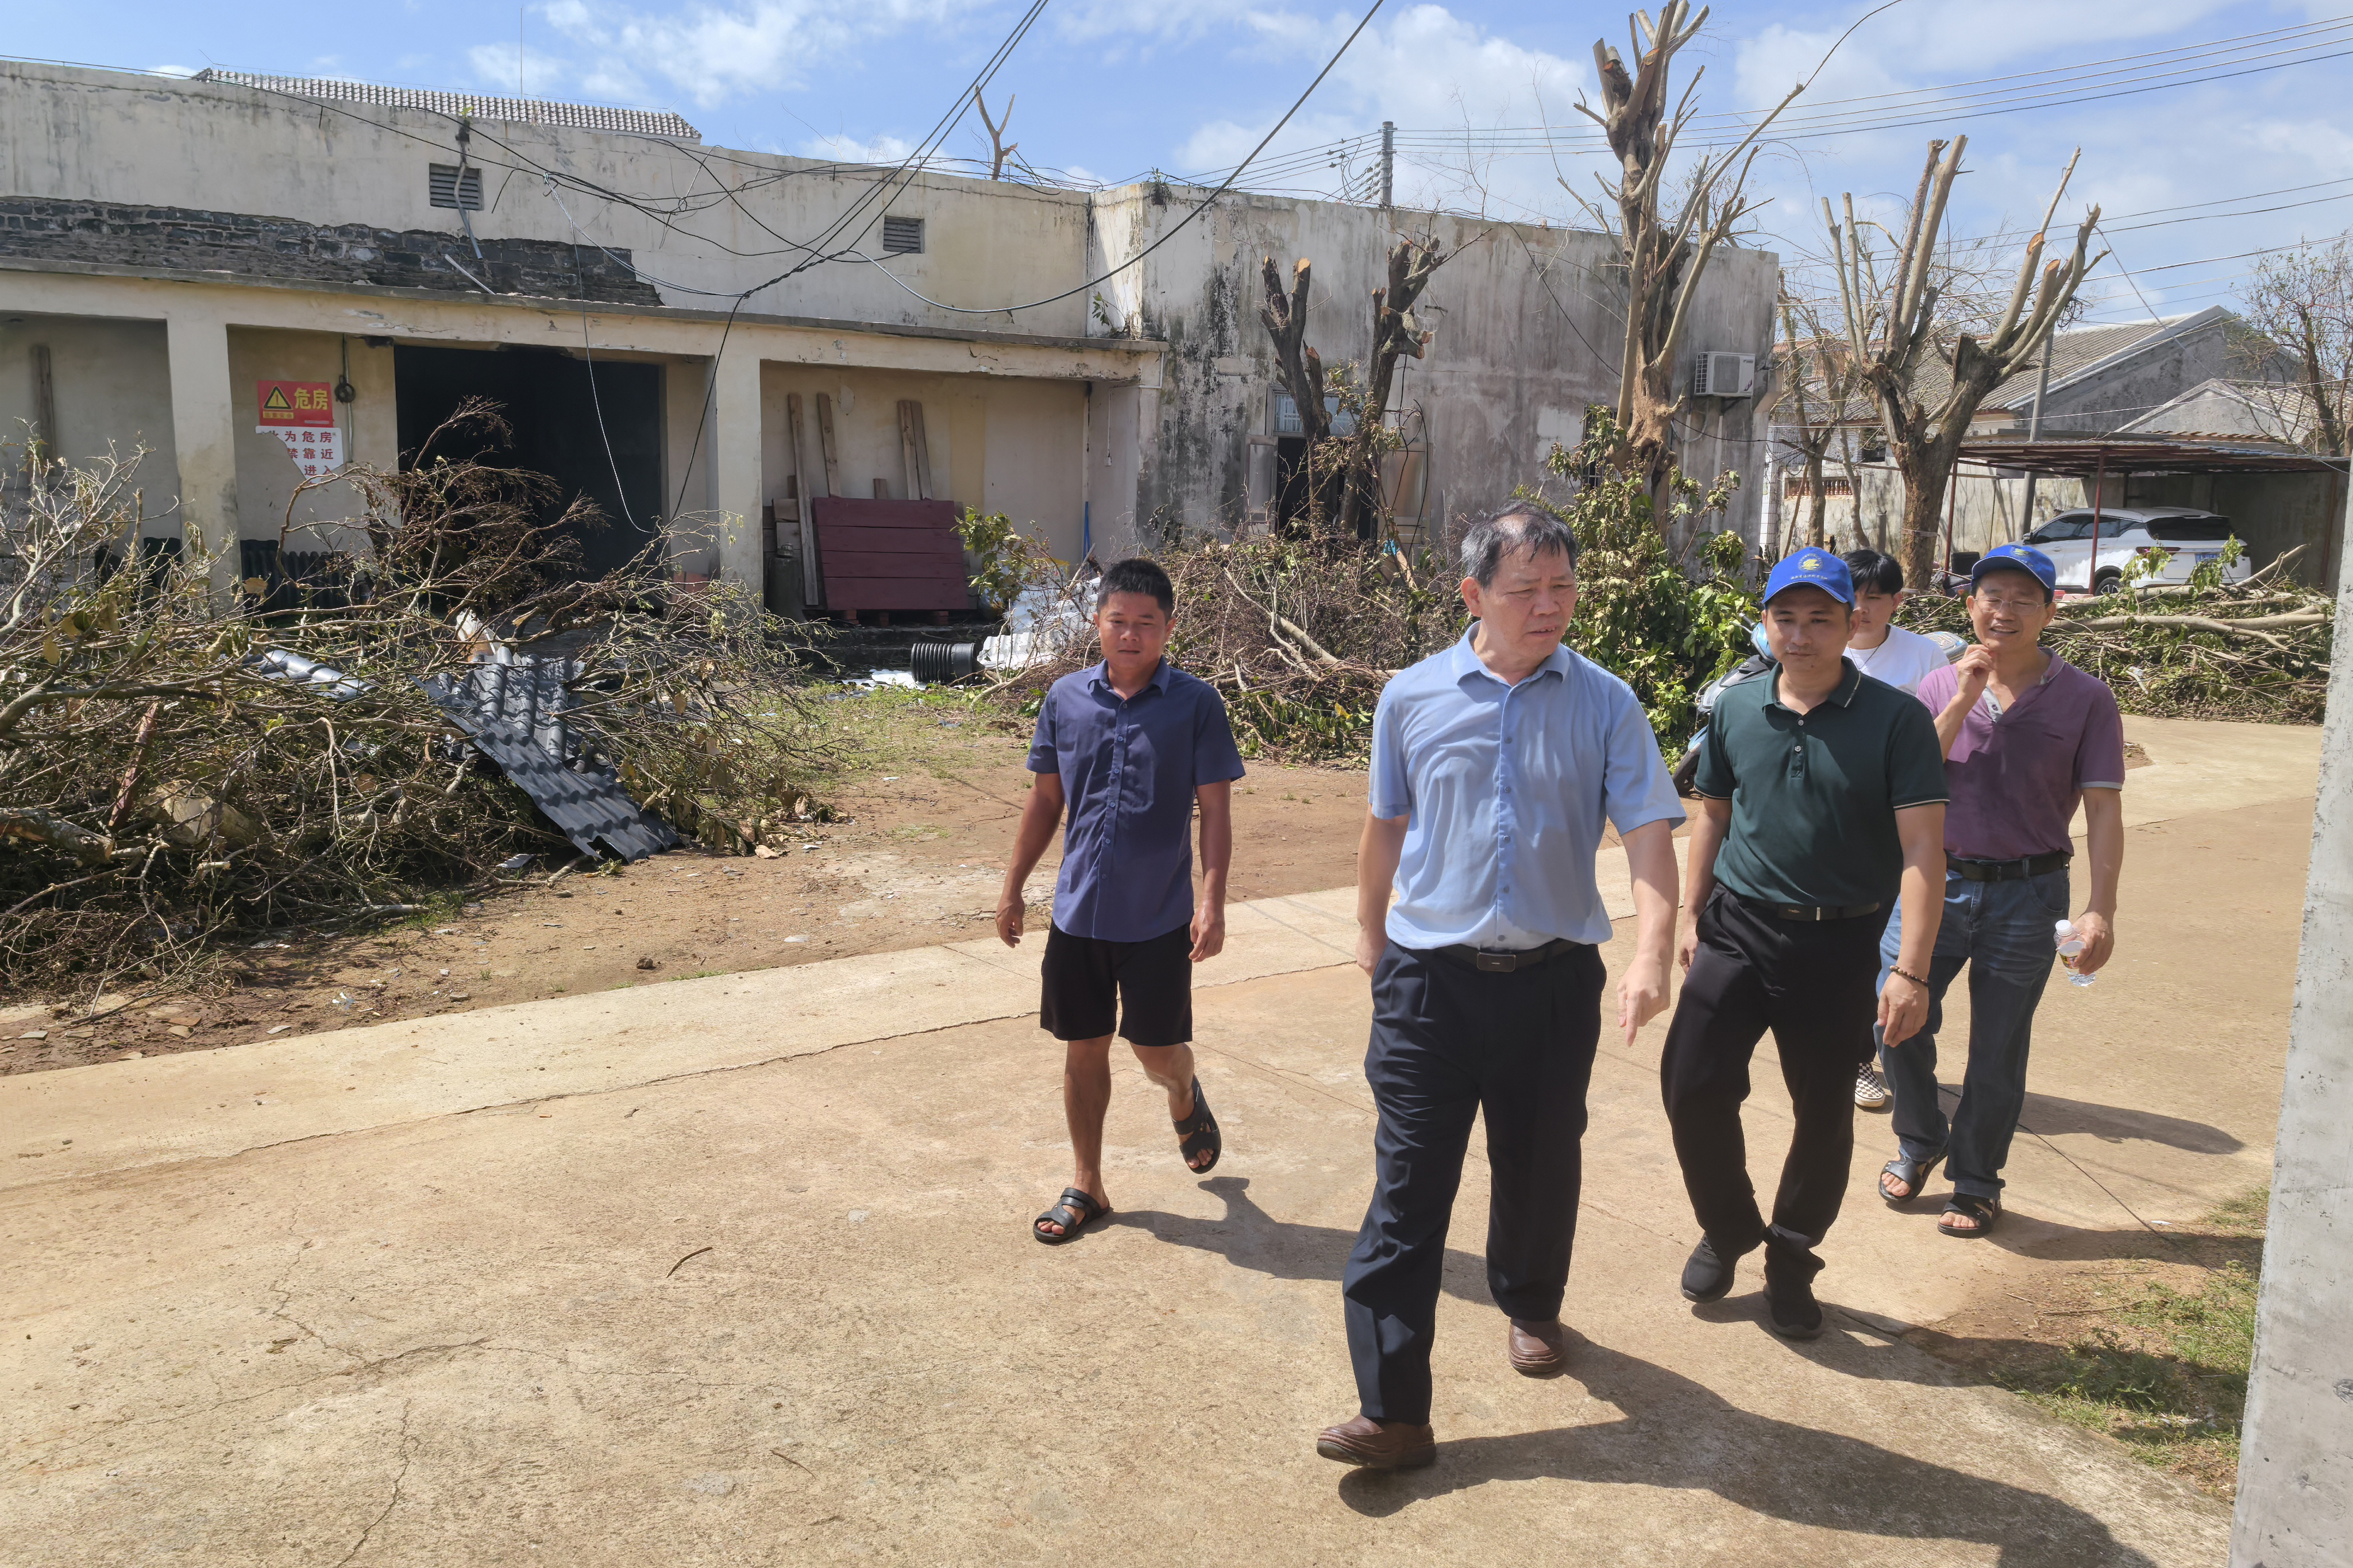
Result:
x=1494 y=764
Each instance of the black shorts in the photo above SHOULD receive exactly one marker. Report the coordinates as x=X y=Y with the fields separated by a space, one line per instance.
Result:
x=1152 y=979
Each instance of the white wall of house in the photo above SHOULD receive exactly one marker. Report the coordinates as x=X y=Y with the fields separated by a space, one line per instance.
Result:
x=1133 y=404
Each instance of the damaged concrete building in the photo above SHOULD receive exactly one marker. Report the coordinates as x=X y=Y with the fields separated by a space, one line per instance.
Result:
x=229 y=270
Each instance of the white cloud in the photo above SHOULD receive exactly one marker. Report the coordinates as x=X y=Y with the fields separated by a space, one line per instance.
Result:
x=845 y=149
x=175 y=70
x=713 y=52
x=544 y=75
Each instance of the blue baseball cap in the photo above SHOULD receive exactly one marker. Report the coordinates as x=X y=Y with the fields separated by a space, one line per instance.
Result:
x=1813 y=568
x=2016 y=558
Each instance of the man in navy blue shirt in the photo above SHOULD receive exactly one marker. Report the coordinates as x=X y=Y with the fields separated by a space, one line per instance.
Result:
x=1494 y=763
x=1130 y=746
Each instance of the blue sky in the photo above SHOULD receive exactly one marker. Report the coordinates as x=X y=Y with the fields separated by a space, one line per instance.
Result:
x=1111 y=88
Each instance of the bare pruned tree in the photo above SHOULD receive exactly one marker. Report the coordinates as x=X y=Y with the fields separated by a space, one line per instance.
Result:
x=1001 y=149
x=1343 y=472
x=1664 y=257
x=2298 y=348
x=1816 y=378
x=1898 y=325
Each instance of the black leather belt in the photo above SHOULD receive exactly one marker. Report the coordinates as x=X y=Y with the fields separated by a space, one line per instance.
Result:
x=2008 y=870
x=1809 y=911
x=1488 y=963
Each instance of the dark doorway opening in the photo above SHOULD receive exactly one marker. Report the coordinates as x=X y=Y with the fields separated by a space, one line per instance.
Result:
x=602 y=442
x=1290 y=482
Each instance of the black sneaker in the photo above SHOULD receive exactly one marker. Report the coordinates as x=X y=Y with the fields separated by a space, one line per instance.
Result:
x=1708 y=1273
x=1789 y=1271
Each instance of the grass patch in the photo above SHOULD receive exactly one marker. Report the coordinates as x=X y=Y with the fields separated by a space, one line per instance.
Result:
x=2165 y=1370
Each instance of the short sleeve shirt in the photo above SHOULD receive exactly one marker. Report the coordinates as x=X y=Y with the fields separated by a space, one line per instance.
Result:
x=2017 y=778
x=1814 y=795
x=1129 y=768
x=1903 y=660
x=1504 y=788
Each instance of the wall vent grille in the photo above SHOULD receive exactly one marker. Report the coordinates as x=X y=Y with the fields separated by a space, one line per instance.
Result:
x=447 y=190
x=902 y=237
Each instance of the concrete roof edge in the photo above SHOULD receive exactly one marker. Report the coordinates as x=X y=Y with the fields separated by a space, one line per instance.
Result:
x=595 y=307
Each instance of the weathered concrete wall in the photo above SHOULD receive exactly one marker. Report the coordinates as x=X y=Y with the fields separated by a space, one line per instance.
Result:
x=2296 y=1455
x=2150 y=377
x=278 y=196
x=75 y=136
x=1527 y=325
x=110 y=385
x=267 y=477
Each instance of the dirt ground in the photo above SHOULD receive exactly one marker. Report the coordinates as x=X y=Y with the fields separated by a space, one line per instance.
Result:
x=930 y=788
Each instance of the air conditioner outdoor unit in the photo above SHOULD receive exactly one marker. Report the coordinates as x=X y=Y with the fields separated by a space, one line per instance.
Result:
x=1717 y=375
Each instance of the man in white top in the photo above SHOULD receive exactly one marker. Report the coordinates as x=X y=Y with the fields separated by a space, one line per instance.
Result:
x=1881 y=650
x=1889 y=653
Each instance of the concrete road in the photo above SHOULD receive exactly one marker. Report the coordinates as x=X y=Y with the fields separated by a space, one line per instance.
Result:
x=738 y=1271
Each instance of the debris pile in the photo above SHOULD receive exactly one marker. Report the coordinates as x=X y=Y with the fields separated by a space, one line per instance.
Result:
x=1298 y=633
x=182 y=764
x=2255 y=650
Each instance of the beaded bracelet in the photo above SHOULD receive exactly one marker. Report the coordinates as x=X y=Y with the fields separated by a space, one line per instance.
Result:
x=1893 y=969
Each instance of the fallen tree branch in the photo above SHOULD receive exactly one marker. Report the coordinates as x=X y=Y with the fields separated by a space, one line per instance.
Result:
x=48 y=827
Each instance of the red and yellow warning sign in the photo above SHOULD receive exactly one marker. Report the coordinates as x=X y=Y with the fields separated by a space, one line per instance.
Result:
x=298 y=402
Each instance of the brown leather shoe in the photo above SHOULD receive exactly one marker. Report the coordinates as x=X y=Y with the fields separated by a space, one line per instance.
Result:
x=1398 y=1445
x=1538 y=1349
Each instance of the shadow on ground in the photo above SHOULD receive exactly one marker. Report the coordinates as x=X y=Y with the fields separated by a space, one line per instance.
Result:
x=1250 y=1237
x=1671 y=1432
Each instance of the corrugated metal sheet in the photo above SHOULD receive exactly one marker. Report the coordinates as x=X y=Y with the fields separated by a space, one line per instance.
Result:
x=513 y=712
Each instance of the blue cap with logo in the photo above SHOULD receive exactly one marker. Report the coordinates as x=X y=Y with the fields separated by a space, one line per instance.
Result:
x=2017 y=558
x=1813 y=568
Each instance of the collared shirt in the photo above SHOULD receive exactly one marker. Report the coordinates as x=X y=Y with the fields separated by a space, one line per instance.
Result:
x=1814 y=795
x=2018 y=774
x=1129 y=767
x=1504 y=788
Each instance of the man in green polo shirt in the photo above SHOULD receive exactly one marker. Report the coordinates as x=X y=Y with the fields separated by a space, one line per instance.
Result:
x=1822 y=793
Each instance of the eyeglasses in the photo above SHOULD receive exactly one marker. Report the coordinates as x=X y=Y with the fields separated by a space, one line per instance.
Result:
x=2009 y=607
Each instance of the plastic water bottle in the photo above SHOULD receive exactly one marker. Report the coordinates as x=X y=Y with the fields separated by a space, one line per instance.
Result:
x=2070 y=942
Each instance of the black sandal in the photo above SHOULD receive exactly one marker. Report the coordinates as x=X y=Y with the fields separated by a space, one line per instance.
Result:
x=1915 y=1173
x=1199 y=1131
x=1074 y=1212
x=1984 y=1211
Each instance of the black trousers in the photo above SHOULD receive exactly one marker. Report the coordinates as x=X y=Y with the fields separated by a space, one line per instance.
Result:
x=1448 y=1042
x=1816 y=987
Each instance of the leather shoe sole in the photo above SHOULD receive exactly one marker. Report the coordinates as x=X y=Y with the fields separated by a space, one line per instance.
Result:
x=1537 y=1349
x=1369 y=1447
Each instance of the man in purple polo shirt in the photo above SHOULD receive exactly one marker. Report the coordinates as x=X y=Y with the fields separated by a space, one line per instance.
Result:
x=1129 y=745
x=2026 y=736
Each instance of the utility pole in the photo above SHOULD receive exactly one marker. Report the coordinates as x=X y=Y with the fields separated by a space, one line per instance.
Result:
x=2034 y=428
x=1389 y=163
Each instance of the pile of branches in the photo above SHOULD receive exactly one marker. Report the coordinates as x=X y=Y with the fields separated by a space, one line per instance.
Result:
x=184 y=762
x=2254 y=650
x=1298 y=633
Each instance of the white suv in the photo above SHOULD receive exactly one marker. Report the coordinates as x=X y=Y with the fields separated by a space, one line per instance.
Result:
x=2192 y=538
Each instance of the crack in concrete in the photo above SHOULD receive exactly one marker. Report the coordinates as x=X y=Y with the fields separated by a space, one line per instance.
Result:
x=390 y=1503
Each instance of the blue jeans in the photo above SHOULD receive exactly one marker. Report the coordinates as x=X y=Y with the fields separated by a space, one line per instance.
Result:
x=2002 y=930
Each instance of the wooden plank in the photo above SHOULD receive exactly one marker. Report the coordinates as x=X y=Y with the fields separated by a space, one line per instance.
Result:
x=809 y=484
x=909 y=413
x=882 y=487
x=932 y=516
x=923 y=453
x=825 y=441
x=870 y=594
x=847 y=563
x=888 y=541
